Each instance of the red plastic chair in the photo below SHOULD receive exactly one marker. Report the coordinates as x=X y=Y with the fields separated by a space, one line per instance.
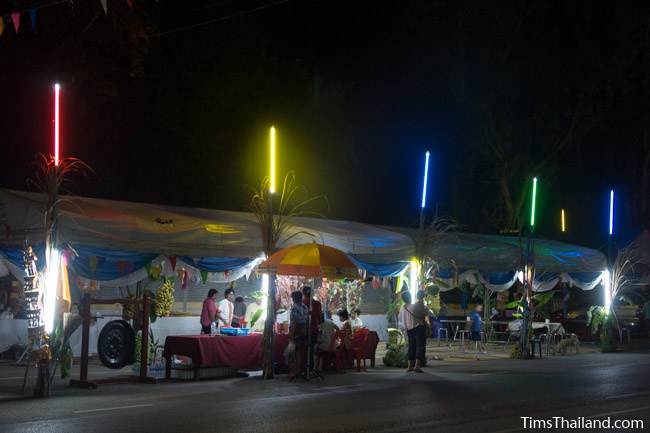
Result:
x=358 y=347
x=334 y=351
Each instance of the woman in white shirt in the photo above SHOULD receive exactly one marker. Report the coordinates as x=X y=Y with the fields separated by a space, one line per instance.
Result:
x=226 y=307
x=412 y=322
x=355 y=320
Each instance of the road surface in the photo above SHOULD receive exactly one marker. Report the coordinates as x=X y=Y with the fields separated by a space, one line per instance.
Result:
x=481 y=396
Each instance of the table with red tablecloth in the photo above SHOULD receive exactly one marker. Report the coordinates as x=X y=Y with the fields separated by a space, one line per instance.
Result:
x=241 y=352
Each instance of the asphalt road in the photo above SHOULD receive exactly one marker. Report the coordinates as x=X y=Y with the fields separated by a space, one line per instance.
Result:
x=485 y=396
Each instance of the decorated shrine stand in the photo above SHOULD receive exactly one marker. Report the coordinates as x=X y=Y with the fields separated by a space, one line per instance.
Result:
x=86 y=302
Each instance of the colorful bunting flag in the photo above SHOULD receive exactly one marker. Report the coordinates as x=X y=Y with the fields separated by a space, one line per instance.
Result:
x=155 y=272
x=104 y=5
x=2 y=25
x=204 y=277
x=92 y=261
x=32 y=16
x=172 y=260
x=130 y=3
x=124 y=267
x=147 y=267
x=15 y=17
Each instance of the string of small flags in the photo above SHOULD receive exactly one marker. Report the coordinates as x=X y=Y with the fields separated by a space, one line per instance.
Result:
x=13 y=18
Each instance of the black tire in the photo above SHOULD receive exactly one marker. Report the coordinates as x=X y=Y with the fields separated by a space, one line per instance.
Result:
x=116 y=344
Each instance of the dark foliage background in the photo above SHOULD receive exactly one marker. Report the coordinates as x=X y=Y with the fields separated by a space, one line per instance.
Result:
x=170 y=102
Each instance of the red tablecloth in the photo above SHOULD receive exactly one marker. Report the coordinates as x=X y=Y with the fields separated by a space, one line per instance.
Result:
x=244 y=352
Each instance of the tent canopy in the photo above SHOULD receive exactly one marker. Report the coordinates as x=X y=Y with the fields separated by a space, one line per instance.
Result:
x=214 y=241
x=183 y=231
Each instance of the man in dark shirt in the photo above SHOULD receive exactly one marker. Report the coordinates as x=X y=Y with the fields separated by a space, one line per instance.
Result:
x=315 y=318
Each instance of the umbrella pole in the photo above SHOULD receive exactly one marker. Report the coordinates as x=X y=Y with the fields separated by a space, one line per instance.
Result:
x=311 y=373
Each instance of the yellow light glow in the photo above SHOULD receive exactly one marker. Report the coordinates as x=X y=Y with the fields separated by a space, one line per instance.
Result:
x=563 y=222
x=272 y=168
x=224 y=229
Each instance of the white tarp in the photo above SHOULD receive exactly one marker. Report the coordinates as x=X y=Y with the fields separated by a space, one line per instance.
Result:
x=184 y=231
x=168 y=230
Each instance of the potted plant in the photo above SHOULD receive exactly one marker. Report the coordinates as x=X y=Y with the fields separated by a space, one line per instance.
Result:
x=603 y=321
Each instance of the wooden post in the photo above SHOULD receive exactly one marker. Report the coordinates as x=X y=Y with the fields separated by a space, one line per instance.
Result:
x=144 y=346
x=85 y=338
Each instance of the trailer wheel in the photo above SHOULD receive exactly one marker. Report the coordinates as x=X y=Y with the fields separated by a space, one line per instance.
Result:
x=116 y=344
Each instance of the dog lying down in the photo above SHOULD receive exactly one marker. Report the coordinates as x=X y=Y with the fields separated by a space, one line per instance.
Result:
x=568 y=344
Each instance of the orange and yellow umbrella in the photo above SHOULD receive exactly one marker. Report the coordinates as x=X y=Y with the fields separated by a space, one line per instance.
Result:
x=310 y=260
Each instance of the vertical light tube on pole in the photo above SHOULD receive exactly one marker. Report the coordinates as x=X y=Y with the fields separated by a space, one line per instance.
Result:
x=414 y=276
x=57 y=89
x=265 y=291
x=611 y=212
x=425 y=180
x=563 y=222
x=51 y=283
x=272 y=160
x=532 y=205
x=607 y=285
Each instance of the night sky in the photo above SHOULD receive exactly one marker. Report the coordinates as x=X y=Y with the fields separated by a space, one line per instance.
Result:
x=170 y=102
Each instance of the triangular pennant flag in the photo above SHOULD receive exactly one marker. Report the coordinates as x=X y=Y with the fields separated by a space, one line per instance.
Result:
x=15 y=17
x=2 y=25
x=172 y=260
x=155 y=272
x=130 y=3
x=32 y=16
x=124 y=267
x=104 y=5
x=147 y=267
x=204 y=277
x=92 y=261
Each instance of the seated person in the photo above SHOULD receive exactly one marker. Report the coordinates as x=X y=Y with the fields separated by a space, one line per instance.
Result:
x=355 y=320
x=328 y=330
x=6 y=314
x=346 y=328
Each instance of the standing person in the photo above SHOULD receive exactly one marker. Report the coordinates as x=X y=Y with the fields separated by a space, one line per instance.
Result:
x=315 y=319
x=252 y=308
x=355 y=320
x=298 y=331
x=209 y=312
x=227 y=308
x=412 y=320
x=477 y=327
x=646 y=316
x=239 y=312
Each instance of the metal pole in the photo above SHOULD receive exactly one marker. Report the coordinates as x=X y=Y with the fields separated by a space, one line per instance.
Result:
x=144 y=346
x=528 y=274
x=85 y=338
